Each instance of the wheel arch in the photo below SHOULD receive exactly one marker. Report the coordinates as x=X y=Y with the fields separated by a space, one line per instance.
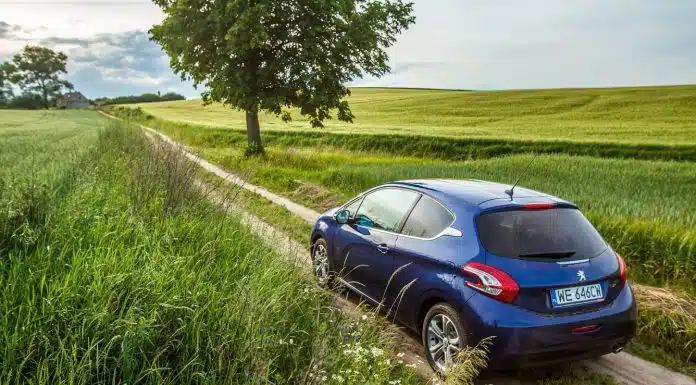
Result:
x=428 y=300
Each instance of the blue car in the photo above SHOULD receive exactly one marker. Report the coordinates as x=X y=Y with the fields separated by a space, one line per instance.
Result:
x=461 y=260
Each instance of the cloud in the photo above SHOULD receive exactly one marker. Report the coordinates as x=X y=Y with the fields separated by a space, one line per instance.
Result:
x=538 y=44
x=105 y=64
x=464 y=44
x=12 y=31
x=113 y=64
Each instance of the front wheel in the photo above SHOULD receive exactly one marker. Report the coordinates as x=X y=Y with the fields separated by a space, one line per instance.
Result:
x=321 y=266
x=443 y=335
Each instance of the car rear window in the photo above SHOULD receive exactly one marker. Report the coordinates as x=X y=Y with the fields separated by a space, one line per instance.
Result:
x=541 y=234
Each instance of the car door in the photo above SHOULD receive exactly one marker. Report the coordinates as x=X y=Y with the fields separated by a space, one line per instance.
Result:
x=417 y=255
x=364 y=247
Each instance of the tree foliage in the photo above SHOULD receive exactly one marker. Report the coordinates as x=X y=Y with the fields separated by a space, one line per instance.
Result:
x=6 y=71
x=271 y=55
x=38 y=70
x=26 y=101
x=144 y=98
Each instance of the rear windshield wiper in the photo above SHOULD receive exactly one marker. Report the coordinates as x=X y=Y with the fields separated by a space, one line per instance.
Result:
x=548 y=254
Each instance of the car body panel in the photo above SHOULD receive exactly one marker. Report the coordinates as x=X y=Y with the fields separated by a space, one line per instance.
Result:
x=357 y=256
x=525 y=338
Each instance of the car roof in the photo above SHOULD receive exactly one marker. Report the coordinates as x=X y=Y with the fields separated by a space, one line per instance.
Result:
x=479 y=193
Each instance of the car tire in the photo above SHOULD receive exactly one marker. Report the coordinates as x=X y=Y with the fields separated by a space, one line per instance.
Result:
x=432 y=335
x=321 y=262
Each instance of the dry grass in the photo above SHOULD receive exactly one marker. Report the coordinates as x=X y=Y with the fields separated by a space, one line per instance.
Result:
x=317 y=194
x=666 y=301
x=666 y=328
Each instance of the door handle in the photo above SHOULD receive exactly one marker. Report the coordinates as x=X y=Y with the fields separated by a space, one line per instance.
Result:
x=383 y=248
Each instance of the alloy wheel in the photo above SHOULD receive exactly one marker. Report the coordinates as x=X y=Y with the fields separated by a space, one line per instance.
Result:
x=321 y=263
x=443 y=341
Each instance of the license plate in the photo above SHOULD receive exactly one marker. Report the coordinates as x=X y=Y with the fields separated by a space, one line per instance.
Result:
x=576 y=295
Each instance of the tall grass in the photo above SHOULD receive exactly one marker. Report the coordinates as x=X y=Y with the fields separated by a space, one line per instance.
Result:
x=133 y=278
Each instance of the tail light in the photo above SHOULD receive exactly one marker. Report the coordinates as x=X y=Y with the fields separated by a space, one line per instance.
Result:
x=491 y=281
x=623 y=275
x=537 y=206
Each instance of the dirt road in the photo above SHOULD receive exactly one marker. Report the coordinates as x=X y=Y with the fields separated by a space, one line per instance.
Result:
x=625 y=368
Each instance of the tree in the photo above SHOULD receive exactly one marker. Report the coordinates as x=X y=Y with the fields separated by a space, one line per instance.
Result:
x=27 y=101
x=38 y=69
x=270 y=55
x=6 y=71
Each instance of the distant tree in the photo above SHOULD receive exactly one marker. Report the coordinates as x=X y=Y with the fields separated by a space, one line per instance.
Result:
x=6 y=71
x=271 y=55
x=172 y=96
x=144 y=98
x=27 y=101
x=38 y=70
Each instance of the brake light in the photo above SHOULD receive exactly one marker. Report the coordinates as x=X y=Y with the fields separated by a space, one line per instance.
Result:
x=491 y=281
x=537 y=206
x=585 y=329
x=623 y=275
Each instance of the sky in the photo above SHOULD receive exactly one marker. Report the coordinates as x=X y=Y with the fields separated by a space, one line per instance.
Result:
x=455 y=44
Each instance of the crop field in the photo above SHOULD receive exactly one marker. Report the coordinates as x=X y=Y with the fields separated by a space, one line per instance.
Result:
x=646 y=115
x=643 y=204
x=114 y=269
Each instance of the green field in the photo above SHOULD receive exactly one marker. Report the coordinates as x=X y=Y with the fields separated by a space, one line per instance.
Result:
x=644 y=207
x=114 y=269
x=615 y=156
x=646 y=115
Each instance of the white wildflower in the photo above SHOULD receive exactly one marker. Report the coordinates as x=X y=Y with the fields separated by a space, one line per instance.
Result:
x=376 y=352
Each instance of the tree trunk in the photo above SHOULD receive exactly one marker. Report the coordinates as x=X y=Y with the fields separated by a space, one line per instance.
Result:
x=45 y=95
x=254 y=145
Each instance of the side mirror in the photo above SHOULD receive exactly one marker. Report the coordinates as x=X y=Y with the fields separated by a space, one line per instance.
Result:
x=342 y=216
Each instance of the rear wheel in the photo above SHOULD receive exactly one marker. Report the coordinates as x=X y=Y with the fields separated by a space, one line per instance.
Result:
x=444 y=336
x=321 y=265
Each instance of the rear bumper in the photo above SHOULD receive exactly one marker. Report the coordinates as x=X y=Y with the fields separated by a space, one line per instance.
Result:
x=525 y=338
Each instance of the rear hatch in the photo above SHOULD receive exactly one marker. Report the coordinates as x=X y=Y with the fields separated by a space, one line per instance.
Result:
x=558 y=259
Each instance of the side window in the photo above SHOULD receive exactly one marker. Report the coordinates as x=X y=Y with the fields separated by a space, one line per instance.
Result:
x=427 y=219
x=385 y=208
x=353 y=207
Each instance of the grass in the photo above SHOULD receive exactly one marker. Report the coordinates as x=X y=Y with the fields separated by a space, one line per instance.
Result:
x=645 y=210
x=657 y=115
x=130 y=276
x=630 y=186
x=636 y=123
x=667 y=330
x=667 y=323
x=297 y=229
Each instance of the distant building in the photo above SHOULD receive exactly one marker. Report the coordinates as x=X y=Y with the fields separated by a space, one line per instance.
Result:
x=73 y=100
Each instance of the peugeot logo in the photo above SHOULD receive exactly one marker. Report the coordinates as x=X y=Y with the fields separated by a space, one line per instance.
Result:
x=581 y=275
